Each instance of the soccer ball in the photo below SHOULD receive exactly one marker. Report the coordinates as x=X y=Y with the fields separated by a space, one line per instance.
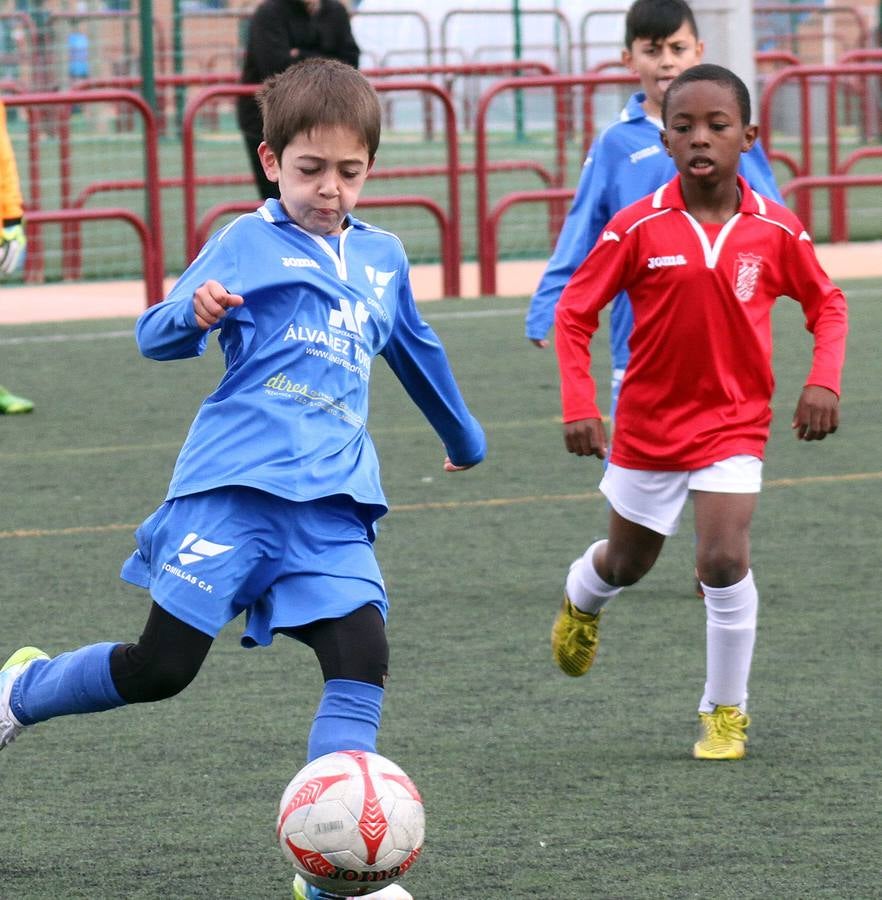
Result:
x=351 y=822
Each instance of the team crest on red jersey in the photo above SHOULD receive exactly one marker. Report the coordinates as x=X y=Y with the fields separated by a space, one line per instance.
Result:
x=747 y=272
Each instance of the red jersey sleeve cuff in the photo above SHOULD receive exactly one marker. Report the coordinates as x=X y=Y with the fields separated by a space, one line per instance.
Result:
x=832 y=384
x=583 y=411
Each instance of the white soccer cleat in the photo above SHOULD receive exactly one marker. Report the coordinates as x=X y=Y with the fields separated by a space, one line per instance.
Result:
x=304 y=891
x=10 y=727
x=392 y=892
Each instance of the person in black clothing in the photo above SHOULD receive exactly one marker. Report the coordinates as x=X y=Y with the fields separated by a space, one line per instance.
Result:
x=281 y=33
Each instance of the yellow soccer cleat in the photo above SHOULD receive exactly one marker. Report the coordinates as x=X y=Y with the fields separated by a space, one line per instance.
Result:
x=723 y=734
x=574 y=639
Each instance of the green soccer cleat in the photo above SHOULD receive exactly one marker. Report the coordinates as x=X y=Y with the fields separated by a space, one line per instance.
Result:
x=574 y=639
x=10 y=405
x=304 y=891
x=10 y=727
x=723 y=734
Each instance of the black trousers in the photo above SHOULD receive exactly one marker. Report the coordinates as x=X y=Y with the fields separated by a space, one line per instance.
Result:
x=265 y=187
x=169 y=653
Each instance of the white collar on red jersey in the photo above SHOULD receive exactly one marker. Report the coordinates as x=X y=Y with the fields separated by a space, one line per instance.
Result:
x=670 y=196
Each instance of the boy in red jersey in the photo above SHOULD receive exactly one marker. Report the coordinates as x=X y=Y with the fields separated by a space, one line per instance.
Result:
x=703 y=259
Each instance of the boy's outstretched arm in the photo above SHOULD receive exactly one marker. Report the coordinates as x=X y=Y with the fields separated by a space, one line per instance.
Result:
x=419 y=361
x=817 y=413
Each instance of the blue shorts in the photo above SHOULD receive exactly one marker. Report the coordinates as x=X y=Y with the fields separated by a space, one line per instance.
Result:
x=206 y=558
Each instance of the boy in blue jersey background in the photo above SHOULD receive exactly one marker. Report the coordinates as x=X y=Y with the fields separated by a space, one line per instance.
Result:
x=275 y=493
x=626 y=162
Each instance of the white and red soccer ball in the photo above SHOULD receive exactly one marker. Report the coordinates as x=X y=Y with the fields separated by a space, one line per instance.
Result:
x=351 y=822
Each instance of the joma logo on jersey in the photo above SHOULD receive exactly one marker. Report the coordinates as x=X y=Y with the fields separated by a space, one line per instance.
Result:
x=347 y=318
x=747 y=272
x=637 y=155
x=299 y=262
x=664 y=262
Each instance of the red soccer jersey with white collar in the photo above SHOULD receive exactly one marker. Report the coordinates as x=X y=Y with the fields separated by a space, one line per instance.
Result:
x=699 y=383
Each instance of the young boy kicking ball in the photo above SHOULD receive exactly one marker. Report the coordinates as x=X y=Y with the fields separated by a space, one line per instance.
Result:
x=703 y=259
x=274 y=497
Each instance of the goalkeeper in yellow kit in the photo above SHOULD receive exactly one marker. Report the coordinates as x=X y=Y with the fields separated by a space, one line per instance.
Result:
x=12 y=239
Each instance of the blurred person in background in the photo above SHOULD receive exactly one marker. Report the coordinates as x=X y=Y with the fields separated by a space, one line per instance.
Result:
x=281 y=33
x=77 y=53
x=12 y=240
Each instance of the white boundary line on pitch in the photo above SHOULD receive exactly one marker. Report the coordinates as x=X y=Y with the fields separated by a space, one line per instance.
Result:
x=66 y=338
x=438 y=317
x=108 y=449
x=102 y=335
x=446 y=505
x=463 y=314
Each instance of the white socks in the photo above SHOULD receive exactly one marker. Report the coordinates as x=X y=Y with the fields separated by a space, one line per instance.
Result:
x=731 y=631
x=587 y=591
x=731 y=627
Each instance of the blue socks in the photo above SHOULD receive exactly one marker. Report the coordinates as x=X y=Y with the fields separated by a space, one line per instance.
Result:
x=347 y=718
x=75 y=682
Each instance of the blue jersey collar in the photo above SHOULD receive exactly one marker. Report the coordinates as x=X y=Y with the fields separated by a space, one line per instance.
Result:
x=273 y=211
x=634 y=111
x=634 y=108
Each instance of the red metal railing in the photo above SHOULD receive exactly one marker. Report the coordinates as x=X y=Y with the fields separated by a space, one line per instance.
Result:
x=488 y=220
x=869 y=97
x=450 y=72
x=839 y=82
x=830 y=77
x=148 y=226
x=126 y=18
x=776 y=58
x=164 y=84
x=837 y=184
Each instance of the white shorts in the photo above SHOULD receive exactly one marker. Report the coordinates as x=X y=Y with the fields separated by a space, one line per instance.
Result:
x=656 y=499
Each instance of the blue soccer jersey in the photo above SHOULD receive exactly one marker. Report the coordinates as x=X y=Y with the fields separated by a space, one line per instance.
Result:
x=289 y=415
x=626 y=163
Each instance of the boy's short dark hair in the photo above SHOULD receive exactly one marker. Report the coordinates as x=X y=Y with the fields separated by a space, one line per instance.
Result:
x=654 y=20
x=318 y=93
x=719 y=75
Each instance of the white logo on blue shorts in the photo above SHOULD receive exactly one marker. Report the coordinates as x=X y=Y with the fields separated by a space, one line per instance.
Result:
x=198 y=549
